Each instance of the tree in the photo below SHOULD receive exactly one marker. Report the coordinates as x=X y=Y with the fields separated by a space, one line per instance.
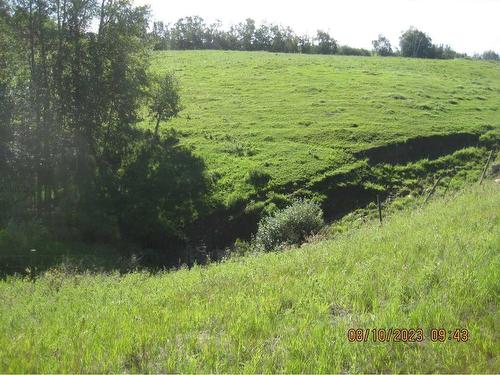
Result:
x=7 y=72
x=76 y=102
x=217 y=38
x=189 y=33
x=164 y=100
x=245 y=33
x=284 y=40
x=325 y=43
x=4 y=8
x=160 y=36
x=382 y=46
x=263 y=38
x=73 y=82
x=490 y=55
x=305 y=44
x=415 y=43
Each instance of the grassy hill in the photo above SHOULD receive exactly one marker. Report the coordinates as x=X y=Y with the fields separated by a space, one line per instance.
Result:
x=433 y=267
x=300 y=117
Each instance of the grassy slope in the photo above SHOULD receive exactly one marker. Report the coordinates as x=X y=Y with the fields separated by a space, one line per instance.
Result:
x=279 y=312
x=297 y=115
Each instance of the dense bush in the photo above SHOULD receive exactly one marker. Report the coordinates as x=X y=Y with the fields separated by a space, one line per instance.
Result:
x=290 y=225
x=351 y=51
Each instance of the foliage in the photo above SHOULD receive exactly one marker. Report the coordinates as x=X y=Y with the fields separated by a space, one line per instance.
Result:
x=164 y=99
x=26 y=248
x=164 y=189
x=70 y=112
x=289 y=226
x=194 y=33
x=76 y=103
x=326 y=45
x=351 y=51
x=285 y=312
x=490 y=55
x=382 y=46
x=190 y=33
x=415 y=43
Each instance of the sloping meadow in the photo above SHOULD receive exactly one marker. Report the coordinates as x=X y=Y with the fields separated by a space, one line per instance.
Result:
x=297 y=117
x=434 y=267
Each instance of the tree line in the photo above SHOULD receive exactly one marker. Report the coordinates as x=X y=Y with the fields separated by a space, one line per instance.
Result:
x=194 y=33
x=190 y=33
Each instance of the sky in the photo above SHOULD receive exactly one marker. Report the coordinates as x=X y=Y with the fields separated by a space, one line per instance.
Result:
x=466 y=25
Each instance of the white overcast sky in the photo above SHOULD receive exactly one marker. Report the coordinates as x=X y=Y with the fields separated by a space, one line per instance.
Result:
x=466 y=25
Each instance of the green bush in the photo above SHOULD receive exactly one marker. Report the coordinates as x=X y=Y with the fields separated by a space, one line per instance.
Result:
x=290 y=225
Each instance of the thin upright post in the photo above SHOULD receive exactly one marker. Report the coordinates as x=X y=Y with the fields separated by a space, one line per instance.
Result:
x=486 y=167
x=433 y=189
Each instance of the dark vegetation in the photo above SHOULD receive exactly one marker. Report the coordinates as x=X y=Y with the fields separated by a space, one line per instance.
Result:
x=80 y=174
x=74 y=160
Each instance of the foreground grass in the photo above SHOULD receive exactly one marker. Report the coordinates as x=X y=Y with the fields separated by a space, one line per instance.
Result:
x=297 y=116
x=279 y=312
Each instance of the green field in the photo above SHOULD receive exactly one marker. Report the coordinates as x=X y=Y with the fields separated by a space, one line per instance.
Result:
x=300 y=116
x=434 y=267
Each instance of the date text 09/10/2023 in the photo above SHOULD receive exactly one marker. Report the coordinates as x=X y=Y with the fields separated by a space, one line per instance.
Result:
x=407 y=335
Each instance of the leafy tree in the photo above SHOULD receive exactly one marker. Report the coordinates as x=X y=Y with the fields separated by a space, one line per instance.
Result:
x=160 y=36
x=77 y=101
x=78 y=162
x=217 y=38
x=325 y=43
x=164 y=100
x=189 y=33
x=490 y=55
x=263 y=38
x=382 y=46
x=7 y=64
x=284 y=40
x=442 y=52
x=245 y=34
x=415 y=43
x=305 y=44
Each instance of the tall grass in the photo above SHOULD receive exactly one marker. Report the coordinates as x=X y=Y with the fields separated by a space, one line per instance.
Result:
x=433 y=267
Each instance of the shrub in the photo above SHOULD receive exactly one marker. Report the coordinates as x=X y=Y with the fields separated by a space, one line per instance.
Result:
x=351 y=51
x=290 y=225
